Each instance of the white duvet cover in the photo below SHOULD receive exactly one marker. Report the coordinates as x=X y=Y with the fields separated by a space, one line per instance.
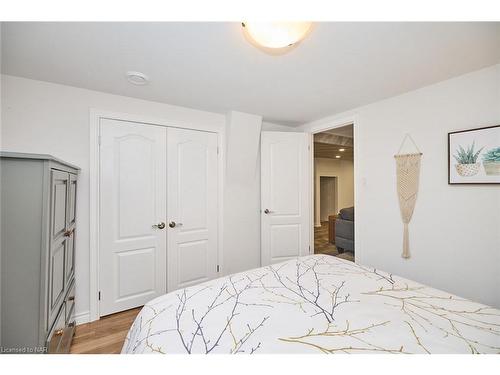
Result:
x=313 y=304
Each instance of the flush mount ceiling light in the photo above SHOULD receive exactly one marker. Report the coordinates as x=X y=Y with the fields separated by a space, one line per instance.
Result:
x=337 y=156
x=137 y=78
x=276 y=35
x=342 y=149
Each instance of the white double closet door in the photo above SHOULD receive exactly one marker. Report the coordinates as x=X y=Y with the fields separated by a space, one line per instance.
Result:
x=158 y=211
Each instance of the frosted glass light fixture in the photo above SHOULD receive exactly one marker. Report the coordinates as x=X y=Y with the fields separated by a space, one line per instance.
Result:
x=276 y=34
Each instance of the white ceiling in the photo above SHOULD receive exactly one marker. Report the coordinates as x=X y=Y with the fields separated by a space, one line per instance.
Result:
x=211 y=66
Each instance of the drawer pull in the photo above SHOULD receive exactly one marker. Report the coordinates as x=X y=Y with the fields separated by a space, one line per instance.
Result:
x=68 y=233
x=71 y=298
x=59 y=332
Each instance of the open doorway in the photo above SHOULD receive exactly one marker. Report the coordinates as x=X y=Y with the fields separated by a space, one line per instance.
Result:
x=334 y=192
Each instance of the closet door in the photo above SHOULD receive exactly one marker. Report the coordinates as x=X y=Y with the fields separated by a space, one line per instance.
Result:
x=192 y=207
x=132 y=214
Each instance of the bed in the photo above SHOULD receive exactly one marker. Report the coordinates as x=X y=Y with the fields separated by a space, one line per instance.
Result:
x=313 y=304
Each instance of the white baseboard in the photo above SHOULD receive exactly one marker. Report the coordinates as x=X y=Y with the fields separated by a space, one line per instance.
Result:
x=82 y=318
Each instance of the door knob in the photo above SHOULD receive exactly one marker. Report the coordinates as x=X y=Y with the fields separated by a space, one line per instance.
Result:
x=159 y=225
x=59 y=332
x=173 y=224
x=267 y=211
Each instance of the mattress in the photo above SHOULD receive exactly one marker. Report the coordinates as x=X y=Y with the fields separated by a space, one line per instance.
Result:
x=313 y=304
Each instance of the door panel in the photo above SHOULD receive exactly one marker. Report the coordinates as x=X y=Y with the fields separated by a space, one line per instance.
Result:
x=193 y=271
x=70 y=256
x=192 y=205
x=57 y=254
x=56 y=276
x=134 y=272
x=72 y=200
x=132 y=200
x=284 y=196
x=59 y=192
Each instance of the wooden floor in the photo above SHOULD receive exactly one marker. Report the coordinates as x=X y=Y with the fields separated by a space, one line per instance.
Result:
x=323 y=246
x=104 y=336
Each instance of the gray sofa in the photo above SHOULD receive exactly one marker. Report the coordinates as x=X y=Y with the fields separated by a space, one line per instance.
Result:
x=344 y=230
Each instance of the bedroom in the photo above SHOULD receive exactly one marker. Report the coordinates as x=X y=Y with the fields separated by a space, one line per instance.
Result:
x=181 y=174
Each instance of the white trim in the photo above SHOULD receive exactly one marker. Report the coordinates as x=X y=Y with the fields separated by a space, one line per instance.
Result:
x=318 y=127
x=95 y=118
x=82 y=318
x=329 y=123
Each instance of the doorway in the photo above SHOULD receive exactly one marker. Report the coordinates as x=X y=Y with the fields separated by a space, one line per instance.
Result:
x=333 y=181
x=328 y=195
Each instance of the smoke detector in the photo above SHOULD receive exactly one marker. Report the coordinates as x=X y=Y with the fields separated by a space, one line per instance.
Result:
x=137 y=78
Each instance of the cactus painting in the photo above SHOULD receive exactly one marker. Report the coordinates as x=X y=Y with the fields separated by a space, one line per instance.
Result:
x=467 y=160
x=491 y=162
x=474 y=156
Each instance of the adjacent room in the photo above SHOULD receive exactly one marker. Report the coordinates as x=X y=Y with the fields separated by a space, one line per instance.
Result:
x=250 y=187
x=334 y=192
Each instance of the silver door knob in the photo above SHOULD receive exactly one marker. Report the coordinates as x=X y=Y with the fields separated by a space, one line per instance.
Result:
x=267 y=211
x=159 y=225
x=172 y=224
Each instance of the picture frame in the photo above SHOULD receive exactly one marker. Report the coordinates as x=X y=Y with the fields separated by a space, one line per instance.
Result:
x=474 y=156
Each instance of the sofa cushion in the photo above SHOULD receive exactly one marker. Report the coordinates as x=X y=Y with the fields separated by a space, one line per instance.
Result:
x=347 y=213
x=344 y=228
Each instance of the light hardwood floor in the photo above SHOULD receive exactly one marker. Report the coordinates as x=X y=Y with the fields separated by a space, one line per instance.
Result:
x=323 y=246
x=104 y=336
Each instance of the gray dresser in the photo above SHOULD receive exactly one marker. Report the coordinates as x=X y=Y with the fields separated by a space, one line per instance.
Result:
x=38 y=228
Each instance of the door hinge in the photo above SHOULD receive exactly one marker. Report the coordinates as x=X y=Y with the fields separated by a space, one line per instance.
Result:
x=99 y=295
x=218 y=268
x=309 y=249
x=99 y=140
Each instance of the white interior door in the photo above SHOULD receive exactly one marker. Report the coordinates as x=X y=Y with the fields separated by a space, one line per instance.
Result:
x=132 y=203
x=285 y=199
x=192 y=207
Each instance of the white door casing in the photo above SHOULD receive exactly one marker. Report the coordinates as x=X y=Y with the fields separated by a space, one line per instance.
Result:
x=285 y=181
x=192 y=205
x=132 y=200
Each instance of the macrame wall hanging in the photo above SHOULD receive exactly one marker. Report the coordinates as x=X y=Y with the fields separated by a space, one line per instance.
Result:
x=408 y=173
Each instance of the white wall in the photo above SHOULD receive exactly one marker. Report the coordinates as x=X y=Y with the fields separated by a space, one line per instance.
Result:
x=328 y=197
x=455 y=231
x=344 y=171
x=42 y=117
x=242 y=193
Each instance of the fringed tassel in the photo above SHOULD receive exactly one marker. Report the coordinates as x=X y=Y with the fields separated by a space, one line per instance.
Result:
x=406 y=242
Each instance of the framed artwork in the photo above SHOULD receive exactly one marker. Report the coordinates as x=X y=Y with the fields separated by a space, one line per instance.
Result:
x=474 y=156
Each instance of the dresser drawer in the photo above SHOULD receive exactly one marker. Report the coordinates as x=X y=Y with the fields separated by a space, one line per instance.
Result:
x=61 y=334
x=70 y=303
x=57 y=332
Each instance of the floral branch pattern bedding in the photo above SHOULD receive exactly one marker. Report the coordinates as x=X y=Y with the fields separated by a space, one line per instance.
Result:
x=313 y=304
